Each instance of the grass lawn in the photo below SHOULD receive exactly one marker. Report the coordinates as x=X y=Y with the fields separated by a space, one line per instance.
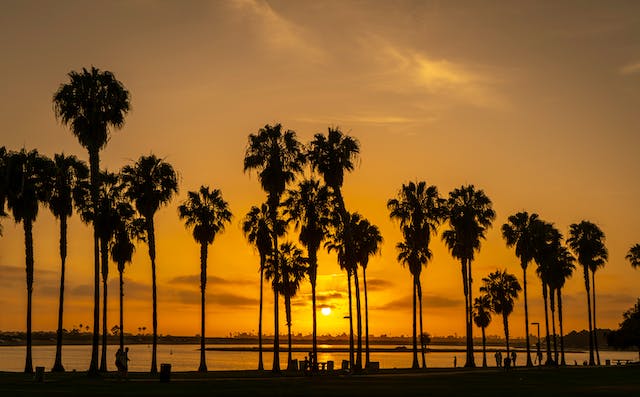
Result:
x=569 y=381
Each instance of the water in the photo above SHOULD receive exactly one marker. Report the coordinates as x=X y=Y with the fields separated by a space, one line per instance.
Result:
x=187 y=357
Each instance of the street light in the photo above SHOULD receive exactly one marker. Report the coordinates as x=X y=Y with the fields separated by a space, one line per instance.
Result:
x=538 y=343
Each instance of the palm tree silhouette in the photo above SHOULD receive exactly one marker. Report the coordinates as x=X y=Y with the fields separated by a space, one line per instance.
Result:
x=587 y=243
x=207 y=214
x=277 y=156
x=519 y=231
x=482 y=319
x=547 y=242
x=470 y=214
x=502 y=289
x=560 y=274
x=127 y=228
x=92 y=103
x=150 y=184
x=4 y=179
x=333 y=155
x=633 y=256
x=309 y=207
x=368 y=239
x=30 y=177
x=293 y=269
x=419 y=209
x=256 y=227
x=69 y=174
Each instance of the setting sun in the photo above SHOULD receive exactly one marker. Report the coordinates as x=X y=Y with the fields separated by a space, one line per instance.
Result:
x=325 y=311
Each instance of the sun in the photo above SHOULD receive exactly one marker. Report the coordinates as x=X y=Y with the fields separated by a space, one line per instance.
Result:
x=325 y=311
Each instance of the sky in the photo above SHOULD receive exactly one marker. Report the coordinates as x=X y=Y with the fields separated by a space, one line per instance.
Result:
x=534 y=102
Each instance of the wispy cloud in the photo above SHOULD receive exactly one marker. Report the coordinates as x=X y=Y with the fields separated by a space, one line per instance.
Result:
x=631 y=68
x=428 y=301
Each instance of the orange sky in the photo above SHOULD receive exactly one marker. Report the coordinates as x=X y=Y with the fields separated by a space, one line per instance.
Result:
x=534 y=102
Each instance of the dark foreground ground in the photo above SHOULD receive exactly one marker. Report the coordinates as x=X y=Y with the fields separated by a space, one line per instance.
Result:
x=543 y=382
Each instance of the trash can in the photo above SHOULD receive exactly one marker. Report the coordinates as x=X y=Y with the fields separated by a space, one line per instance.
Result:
x=165 y=372
x=39 y=375
x=345 y=365
x=329 y=366
x=607 y=362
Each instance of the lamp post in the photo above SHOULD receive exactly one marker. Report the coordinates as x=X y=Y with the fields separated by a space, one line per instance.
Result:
x=538 y=343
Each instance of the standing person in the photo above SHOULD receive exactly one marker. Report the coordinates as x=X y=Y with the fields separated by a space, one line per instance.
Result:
x=119 y=354
x=513 y=357
x=455 y=361
x=125 y=361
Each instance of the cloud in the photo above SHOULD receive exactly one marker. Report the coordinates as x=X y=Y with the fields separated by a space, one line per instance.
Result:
x=631 y=68
x=378 y=284
x=194 y=280
x=428 y=302
x=192 y=297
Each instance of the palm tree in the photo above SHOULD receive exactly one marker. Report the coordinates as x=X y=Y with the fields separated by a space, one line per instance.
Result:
x=126 y=229
x=547 y=243
x=587 y=243
x=333 y=155
x=309 y=207
x=30 y=177
x=594 y=266
x=256 y=229
x=502 y=289
x=519 y=231
x=562 y=270
x=69 y=173
x=207 y=213
x=482 y=319
x=633 y=256
x=419 y=209
x=369 y=241
x=92 y=103
x=151 y=183
x=470 y=214
x=277 y=156
x=293 y=269
x=3 y=182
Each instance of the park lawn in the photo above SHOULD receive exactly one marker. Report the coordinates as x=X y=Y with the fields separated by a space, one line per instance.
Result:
x=568 y=381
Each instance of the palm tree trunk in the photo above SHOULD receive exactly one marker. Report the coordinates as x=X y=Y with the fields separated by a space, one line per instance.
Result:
x=562 y=360
x=419 y=290
x=484 y=349
x=287 y=307
x=351 y=352
x=526 y=314
x=57 y=365
x=595 y=327
x=28 y=248
x=505 y=322
x=154 y=296
x=553 y=324
x=471 y=362
x=260 y=363
x=366 y=319
x=465 y=287
x=203 y=289
x=415 y=364
x=104 y=253
x=356 y=283
x=586 y=284
x=94 y=165
x=313 y=272
x=274 y=202
x=546 y=323
x=121 y=266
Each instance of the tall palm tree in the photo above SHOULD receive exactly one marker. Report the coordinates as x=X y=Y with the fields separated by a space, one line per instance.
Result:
x=594 y=266
x=633 y=256
x=207 y=214
x=547 y=243
x=69 y=173
x=256 y=227
x=482 y=319
x=151 y=183
x=519 y=231
x=332 y=155
x=309 y=207
x=587 y=243
x=30 y=178
x=419 y=210
x=502 y=289
x=470 y=214
x=563 y=269
x=277 y=156
x=3 y=182
x=126 y=229
x=369 y=241
x=293 y=269
x=92 y=103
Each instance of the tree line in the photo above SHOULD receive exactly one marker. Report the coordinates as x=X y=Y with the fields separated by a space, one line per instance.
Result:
x=121 y=206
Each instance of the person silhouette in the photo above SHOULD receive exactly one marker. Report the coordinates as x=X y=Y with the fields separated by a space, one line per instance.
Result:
x=455 y=361
x=513 y=357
